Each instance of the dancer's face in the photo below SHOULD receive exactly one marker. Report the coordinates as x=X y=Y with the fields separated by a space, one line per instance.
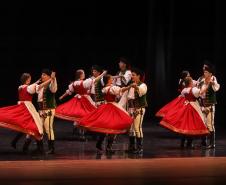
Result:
x=95 y=73
x=207 y=74
x=122 y=66
x=82 y=76
x=135 y=77
x=45 y=77
x=110 y=81
x=28 y=81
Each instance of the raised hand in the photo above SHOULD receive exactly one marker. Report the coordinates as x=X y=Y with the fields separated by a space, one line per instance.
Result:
x=38 y=81
x=53 y=75
x=105 y=72
x=134 y=85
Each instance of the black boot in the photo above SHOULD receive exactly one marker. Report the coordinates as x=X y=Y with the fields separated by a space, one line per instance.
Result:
x=74 y=131
x=139 y=149
x=212 y=140
x=16 y=139
x=26 y=145
x=203 y=142
x=189 y=143
x=109 y=145
x=100 y=143
x=132 y=146
x=82 y=136
x=51 y=147
x=40 y=148
x=182 y=142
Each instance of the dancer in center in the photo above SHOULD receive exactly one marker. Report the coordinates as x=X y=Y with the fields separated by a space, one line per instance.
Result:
x=109 y=118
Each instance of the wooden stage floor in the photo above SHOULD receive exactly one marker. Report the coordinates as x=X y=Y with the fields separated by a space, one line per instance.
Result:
x=75 y=162
x=175 y=171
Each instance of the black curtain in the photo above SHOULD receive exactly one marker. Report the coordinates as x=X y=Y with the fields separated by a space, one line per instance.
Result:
x=162 y=37
x=181 y=36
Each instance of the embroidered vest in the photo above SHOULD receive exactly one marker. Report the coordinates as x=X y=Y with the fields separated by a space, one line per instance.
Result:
x=49 y=101
x=210 y=97
x=140 y=102
x=98 y=92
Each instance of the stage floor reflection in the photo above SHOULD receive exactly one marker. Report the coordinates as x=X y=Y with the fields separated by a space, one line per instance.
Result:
x=158 y=143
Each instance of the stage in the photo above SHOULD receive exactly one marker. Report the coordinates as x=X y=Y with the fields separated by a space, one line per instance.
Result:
x=163 y=161
x=174 y=171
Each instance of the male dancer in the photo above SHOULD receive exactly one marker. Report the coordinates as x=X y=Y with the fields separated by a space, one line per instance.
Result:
x=208 y=101
x=47 y=105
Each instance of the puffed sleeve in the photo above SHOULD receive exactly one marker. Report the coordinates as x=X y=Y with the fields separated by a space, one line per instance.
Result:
x=142 y=89
x=53 y=86
x=185 y=91
x=115 y=90
x=87 y=84
x=126 y=77
x=216 y=85
x=70 y=89
x=196 y=92
x=31 y=89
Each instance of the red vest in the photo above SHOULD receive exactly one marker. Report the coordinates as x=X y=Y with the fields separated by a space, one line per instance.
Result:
x=24 y=95
x=109 y=97
x=190 y=97
x=79 y=89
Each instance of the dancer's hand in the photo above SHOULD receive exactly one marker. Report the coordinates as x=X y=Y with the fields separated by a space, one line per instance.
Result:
x=53 y=75
x=134 y=85
x=105 y=72
x=38 y=81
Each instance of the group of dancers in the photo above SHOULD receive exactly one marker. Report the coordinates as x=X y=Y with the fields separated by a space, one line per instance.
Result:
x=192 y=113
x=110 y=105
x=103 y=104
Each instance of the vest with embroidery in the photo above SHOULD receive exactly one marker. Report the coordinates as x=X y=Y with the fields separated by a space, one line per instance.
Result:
x=49 y=101
x=140 y=102
x=98 y=92
x=210 y=97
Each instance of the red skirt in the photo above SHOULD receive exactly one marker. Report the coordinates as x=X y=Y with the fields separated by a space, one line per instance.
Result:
x=186 y=119
x=175 y=103
x=18 y=118
x=74 y=109
x=107 y=118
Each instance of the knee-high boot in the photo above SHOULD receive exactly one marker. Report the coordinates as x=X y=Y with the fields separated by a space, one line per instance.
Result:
x=51 y=147
x=212 y=140
x=16 y=139
x=139 y=149
x=26 y=145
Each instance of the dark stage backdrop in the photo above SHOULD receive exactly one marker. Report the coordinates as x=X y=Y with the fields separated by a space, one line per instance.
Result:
x=162 y=37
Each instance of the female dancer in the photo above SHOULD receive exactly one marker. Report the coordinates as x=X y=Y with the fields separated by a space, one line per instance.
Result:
x=109 y=118
x=81 y=104
x=187 y=119
x=178 y=100
x=23 y=117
